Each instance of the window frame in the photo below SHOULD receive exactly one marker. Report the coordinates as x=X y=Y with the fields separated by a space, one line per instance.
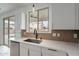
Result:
x=38 y=19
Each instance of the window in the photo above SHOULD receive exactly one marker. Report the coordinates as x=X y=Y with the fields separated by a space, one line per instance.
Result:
x=39 y=20
x=43 y=19
x=33 y=21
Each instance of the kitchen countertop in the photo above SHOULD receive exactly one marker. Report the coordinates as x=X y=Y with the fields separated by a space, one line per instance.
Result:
x=71 y=48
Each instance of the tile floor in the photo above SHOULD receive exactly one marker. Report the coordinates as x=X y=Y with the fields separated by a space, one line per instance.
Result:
x=4 y=51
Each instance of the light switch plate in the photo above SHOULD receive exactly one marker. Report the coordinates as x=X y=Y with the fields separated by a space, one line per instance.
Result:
x=75 y=35
x=54 y=34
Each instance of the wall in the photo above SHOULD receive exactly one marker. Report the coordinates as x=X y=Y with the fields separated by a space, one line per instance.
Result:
x=1 y=31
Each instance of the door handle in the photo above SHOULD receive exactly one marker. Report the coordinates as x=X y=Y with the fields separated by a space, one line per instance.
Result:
x=52 y=49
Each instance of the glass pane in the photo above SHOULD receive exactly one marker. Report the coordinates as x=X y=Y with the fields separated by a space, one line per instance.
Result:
x=6 y=32
x=43 y=20
x=12 y=27
x=33 y=21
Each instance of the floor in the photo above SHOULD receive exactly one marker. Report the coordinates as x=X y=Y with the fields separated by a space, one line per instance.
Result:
x=4 y=51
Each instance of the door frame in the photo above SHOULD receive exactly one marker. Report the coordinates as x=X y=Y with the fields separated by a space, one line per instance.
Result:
x=8 y=18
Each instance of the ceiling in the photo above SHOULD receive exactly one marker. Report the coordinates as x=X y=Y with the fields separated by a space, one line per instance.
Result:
x=4 y=7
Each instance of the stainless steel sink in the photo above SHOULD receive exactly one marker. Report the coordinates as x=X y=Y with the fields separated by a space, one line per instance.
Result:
x=33 y=41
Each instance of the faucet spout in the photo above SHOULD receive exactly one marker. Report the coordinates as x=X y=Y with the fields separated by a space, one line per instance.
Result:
x=35 y=33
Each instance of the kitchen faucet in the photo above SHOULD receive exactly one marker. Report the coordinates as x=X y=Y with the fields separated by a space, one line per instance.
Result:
x=35 y=33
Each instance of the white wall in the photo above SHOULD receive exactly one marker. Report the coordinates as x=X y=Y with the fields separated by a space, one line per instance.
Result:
x=1 y=31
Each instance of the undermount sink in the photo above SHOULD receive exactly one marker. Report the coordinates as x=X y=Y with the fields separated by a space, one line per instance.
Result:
x=33 y=41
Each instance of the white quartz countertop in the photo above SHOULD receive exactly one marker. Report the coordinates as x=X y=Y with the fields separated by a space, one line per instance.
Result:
x=71 y=48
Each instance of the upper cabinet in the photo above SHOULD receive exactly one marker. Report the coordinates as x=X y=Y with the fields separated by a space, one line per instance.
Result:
x=63 y=16
x=77 y=16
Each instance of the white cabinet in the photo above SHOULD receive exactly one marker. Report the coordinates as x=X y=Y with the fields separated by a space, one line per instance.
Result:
x=63 y=16
x=34 y=53
x=52 y=52
x=14 y=48
x=23 y=49
x=29 y=50
x=34 y=50
x=77 y=16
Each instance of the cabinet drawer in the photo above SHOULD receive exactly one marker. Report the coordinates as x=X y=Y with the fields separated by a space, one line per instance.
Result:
x=24 y=45
x=53 y=52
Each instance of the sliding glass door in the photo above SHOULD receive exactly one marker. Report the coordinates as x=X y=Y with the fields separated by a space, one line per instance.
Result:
x=12 y=28
x=5 y=31
x=8 y=29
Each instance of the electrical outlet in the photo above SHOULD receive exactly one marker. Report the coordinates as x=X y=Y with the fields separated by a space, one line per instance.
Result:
x=75 y=35
x=58 y=34
x=54 y=34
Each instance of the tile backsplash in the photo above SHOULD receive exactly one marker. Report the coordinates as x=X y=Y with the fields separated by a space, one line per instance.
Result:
x=45 y=36
x=66 y=35
x=59 y=35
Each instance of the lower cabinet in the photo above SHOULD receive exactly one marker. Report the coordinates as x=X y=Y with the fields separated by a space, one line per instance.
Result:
x=29 y=50
x=23 y=51
x=52 y=52
x=33 y=50
x=34 y=53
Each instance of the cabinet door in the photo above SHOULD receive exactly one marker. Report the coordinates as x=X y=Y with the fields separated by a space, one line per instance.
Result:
x=34 y=53
x=29 y=50
x=14 y=48
x=52 y=52
x=63 y=16
x=23 y=51
x=34 y=50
